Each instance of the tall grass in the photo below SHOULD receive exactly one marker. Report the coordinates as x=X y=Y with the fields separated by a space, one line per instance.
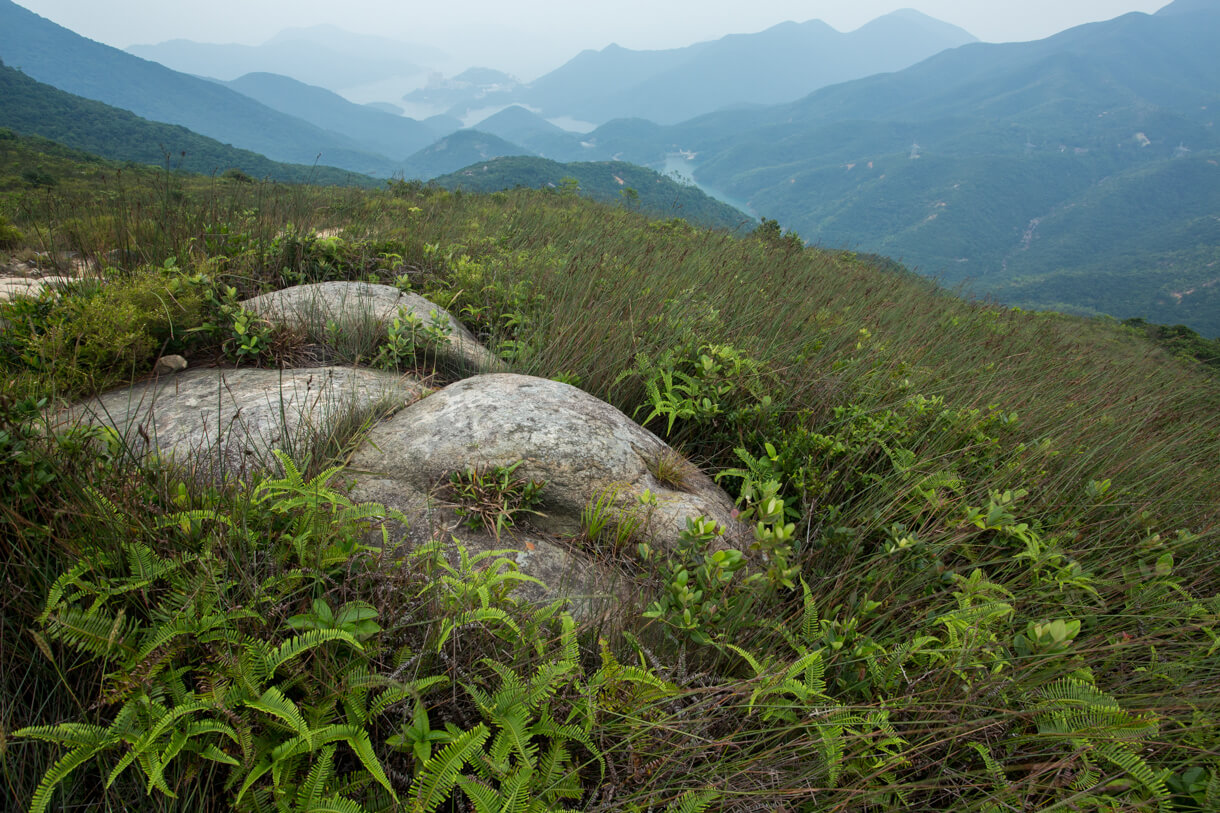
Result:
x=1106 y=445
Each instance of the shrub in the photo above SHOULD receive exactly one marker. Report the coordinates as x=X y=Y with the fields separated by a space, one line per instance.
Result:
x=10 y=237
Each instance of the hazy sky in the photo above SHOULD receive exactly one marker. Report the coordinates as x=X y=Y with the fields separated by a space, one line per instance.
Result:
x=540 y=34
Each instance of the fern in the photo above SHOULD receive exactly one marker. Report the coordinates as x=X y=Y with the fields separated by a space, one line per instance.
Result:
x=438 y=776
x=273 y=702
x=693 y=801
x=1135 y=767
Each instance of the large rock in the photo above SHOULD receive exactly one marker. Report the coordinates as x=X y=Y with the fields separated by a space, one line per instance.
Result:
x=12 y=287
x=592 y=586
x=353 y=304
x=226 y=422
x=584 y=449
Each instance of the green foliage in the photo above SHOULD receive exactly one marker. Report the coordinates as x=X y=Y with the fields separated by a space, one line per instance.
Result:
x=220 y=679
x=410 y=340
x=769 y=231
x=92 y=335
x=494 y=498
x=10 y=236
x=698 y=599
x=942 y=606
x=242 y=335
x=1180 y=340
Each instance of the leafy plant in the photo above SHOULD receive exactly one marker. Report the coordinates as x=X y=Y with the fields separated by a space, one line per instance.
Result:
x=409 y=338
x=494 y=498
x=698 y=599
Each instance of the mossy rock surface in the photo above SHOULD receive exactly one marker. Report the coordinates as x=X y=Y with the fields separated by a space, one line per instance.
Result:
x=228 y=421
x=356 y=306
x=581 y=447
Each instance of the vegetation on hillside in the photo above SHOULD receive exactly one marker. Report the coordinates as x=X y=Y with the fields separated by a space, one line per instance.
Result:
x=52 y=54
x=1077 y=172
x=606 y=181
x=986 y=579
x=35 y=109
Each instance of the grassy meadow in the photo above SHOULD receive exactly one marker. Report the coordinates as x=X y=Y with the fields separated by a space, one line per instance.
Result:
x=986 y=575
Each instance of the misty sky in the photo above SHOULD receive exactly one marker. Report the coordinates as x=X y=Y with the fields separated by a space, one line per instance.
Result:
x=531 y=37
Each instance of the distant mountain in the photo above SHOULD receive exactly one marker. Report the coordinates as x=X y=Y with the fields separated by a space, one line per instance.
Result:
x=467 y=91
x=373 y=130
x=34 y=109
x=385 y=107
x=1080 y=172
x=325 y=56
x=780 y=64
x=54 y=55
x=520 y=126
x=461 y=149
x=605 y=181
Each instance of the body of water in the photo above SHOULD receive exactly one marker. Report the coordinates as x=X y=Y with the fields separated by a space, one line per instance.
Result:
x=682 y=166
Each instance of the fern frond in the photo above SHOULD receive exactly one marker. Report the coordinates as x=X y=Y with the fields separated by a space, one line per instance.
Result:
x=309 y=794
x=1134 y=766
x=358 y=740
x=92 y=631
x=274 y=702
x=59 y=771
x=515 y=789
x=70 y=577
x=437 y=777
x=299 y=645
x=545 y=683
x=693 y=801
x=410 y=690
x=214 y=754
x=484 y=798
x=336 y=804
x=74 y=734
x=184 y=519
x=810 y=623
x=480 y=615
x=998 y=780
x=513 y=723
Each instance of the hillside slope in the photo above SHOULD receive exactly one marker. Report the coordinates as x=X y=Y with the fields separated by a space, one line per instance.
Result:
x=461 y=149
x=54 y=55
x=374 y=130
x=997 y=163
x=33 y=108
x=608 y=181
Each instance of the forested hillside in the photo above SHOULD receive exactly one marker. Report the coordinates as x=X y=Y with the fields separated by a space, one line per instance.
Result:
x=32 y=108
x=54 y=55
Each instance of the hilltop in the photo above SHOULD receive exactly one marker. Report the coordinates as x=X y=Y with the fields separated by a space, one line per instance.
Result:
x=782 y=63
x=1078 y=172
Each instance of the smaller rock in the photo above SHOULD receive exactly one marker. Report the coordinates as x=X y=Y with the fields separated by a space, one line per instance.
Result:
x=168 y=365
x=349 y=305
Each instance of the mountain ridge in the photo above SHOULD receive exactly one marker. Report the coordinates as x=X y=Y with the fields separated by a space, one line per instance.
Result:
x=59 y=57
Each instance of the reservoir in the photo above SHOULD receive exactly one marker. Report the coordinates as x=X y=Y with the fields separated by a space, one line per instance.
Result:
x=681 y=165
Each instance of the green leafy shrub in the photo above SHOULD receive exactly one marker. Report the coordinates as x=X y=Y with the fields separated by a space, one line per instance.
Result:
x=10 y=236
x=410 y=341
x=93 y=335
